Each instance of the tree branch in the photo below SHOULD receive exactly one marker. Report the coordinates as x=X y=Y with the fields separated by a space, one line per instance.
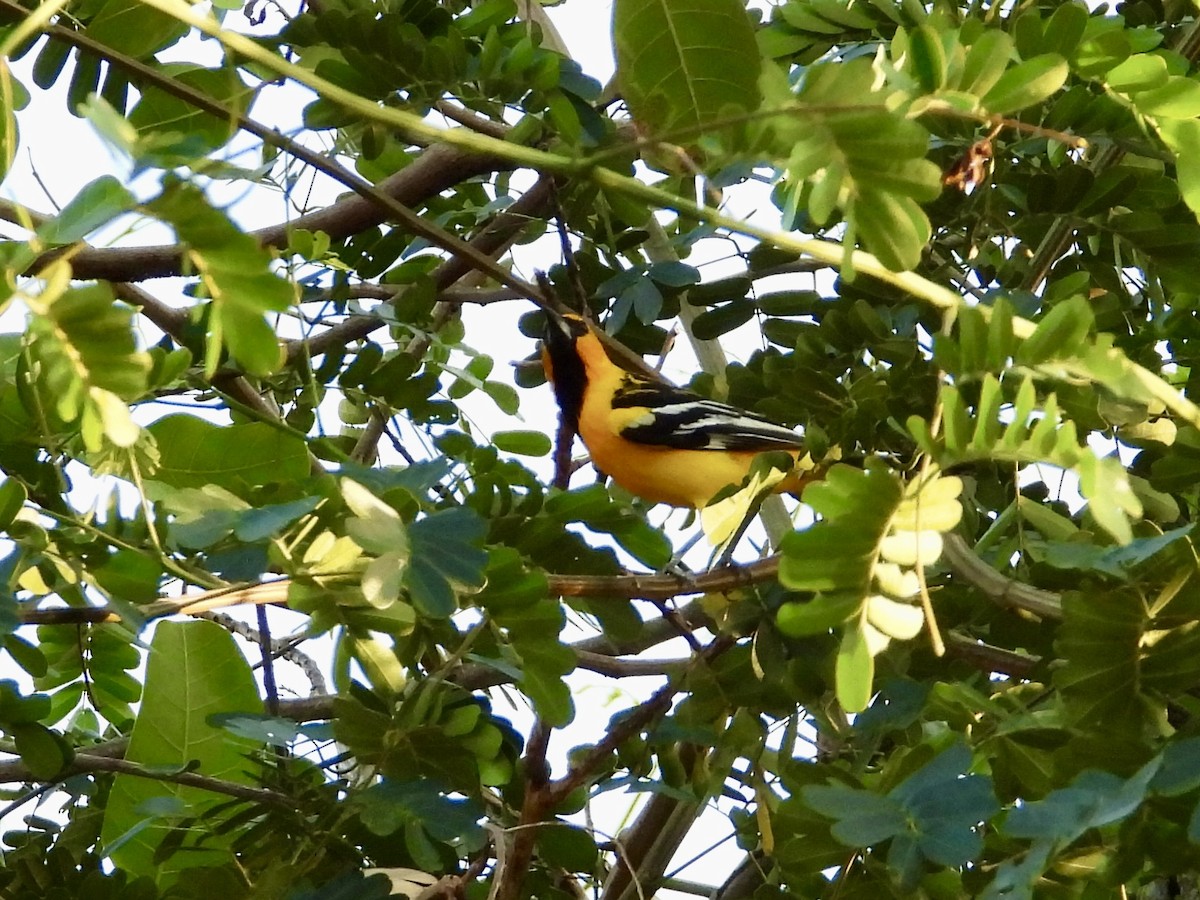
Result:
x=645 y=848
x=498 y=234
x=998 y=588
x=84 y=763
x=386 y=205
x=437 y=169
x=634 y=587
x=989 y=658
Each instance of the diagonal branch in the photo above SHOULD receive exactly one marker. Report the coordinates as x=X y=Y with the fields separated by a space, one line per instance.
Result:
x=392 y=208
x=998 y=588
x=93 y=762
x=491 y=241
x=437 y=169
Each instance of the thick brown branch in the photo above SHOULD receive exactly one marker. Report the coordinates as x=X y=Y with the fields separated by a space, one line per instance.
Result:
x=168 y=319
x=637 y=720
x=437 y=169
x=646 y=848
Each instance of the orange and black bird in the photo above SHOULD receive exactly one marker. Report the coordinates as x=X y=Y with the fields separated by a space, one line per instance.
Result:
x=660 y=442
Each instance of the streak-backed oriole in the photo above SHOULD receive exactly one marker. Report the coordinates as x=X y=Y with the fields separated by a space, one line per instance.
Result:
x=663 y=443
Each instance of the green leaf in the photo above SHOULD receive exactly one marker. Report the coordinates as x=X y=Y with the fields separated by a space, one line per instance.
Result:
x=1099 y=645
x=685 y=64
x=986 y=61
x=236 y=273
x=1182 y=136
x=837 y=554
x=97 y=204
x=258 y=524
x=1065 y=28
x=673 y=274
x=855 y=671
x=928 y=58
x=944 y=805
x=713 y=323
x=503 y=395
x=12 y=498
x=158 y=111
x=194 y=671
x=1138 y=73
x=195 y=453
x=523 y=443
x=389 y=806
x=90 y=362
x=568 y=847
x=1180 y=771
x=863 y=817
x=45 y=752
x=1026 y=83
x=134 y=29
x=1179 y=98
x=1093 y=799
x=1059 y=334
x=818 y=615
x=893 y=227
x=132 y=576
x=518 y=602
x=446 y=559
x=1052 y=525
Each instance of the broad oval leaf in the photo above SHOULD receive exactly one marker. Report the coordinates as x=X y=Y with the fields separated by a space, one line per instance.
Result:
x=684 y=64
x=194 y=671
x=522 y=443
x=1026 y=84
x=195 y=453
x=1138 y=73
x=1179 y=98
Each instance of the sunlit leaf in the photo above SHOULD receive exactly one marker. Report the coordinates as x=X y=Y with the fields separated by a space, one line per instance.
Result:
x=683 y=64
x=194 y=671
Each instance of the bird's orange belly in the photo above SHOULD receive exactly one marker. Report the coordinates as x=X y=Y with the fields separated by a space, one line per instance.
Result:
x=665 y=475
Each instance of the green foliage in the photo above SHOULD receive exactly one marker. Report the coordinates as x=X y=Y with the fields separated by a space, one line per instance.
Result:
x=673 y=74
x=89 y=364
x=194 y=671
x=860 y=563
x=234 y=272
x=974 y=673
x=932 y=815
x=194 y=453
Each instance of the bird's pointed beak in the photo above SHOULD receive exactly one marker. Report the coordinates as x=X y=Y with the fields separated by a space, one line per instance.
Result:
x=562 y=331
x=557 y=330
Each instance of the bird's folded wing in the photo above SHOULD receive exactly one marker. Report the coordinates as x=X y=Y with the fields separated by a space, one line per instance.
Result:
x=673 y=417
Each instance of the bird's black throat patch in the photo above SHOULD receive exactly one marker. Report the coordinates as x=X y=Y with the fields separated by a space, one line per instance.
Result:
x=569 y=378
